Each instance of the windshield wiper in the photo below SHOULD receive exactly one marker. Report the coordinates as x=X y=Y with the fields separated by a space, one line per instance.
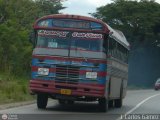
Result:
x=81 y=54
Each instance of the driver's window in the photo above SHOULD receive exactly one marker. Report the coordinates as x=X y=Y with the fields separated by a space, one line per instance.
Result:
x=52 y=43
x=41 y=42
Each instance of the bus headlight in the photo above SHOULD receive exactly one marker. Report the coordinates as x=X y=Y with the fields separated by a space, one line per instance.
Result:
x=91 y=75
x=43 y=71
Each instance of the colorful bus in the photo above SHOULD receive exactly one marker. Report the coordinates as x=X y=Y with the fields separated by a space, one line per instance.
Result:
x=78 y=58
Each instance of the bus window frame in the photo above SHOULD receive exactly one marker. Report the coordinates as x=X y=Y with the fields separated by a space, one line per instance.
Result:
x=105 y=44
x=71 y=38
x=115 y=54
x=52 y=27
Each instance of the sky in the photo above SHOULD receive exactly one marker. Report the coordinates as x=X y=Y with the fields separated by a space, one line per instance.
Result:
x=83 y=7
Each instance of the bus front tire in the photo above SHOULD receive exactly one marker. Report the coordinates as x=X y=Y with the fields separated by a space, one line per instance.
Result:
x=70 y=102
x=103 y=104
x=42 y=100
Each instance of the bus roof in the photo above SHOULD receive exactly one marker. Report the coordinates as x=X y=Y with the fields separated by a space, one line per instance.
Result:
x=77 y=17
x=116 y=34
x=71 y=17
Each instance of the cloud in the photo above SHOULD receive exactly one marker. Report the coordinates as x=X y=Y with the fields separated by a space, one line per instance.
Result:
x=98 y=3
x=82 y=7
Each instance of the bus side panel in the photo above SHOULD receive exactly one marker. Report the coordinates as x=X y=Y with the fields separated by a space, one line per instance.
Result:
x=118 y=76
x=107 y=92
x=124 y=87
x=115 y=86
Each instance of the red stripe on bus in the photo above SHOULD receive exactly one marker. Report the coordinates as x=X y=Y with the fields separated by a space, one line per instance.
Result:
x=68 y=59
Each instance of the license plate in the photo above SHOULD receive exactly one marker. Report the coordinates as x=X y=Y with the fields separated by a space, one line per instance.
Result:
x=66 y=91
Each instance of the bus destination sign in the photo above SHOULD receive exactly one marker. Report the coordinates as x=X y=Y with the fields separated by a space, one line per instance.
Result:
x=69 y=23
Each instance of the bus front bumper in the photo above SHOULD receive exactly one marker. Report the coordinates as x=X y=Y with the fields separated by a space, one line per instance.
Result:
x=80 y=89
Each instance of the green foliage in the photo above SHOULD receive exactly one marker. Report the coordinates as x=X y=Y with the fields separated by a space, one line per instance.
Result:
x=16 y=20
x=140 y=21
x=47 y=7
x=13 y=89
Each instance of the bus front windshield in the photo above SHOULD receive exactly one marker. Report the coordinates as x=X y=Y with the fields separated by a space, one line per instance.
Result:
x=72 y=43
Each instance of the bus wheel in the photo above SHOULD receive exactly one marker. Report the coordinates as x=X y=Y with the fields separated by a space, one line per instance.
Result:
x=62 y=102
x=103 y=104
x=110 y=103
x=118 y=103
x=70 y=102
x=42 y=101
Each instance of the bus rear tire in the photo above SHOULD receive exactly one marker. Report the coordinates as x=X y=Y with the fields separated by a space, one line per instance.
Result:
x=103 y=104
x=42 y=100
x=118 y=103
x=110 y=103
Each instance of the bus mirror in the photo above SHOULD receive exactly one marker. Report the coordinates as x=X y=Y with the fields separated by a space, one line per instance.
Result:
x=32 y=37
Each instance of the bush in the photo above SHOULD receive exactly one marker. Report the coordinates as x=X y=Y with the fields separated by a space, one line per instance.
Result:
x=14 y=89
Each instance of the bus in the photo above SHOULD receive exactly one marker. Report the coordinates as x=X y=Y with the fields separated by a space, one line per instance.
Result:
x=78 y=58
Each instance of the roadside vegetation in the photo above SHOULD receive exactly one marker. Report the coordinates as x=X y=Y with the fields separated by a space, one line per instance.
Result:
x=14 y=89
x=16 y=20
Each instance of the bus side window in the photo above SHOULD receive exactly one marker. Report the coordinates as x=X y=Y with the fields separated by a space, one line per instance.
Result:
x=122 y=53
x=120 y=50
x=117 y=50
x=112 y=47
x=126 y=53
x=105 y=44
x=127 y=56
x=41 y=42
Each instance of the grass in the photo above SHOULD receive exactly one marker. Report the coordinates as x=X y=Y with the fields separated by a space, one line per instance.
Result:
x=14 y=89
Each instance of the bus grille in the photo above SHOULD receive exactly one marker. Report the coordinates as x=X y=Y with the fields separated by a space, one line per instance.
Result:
x=67 y=74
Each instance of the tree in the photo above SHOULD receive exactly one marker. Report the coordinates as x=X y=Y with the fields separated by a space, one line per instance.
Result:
x=47 y=7
x=16 y=20
x=140 y=21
